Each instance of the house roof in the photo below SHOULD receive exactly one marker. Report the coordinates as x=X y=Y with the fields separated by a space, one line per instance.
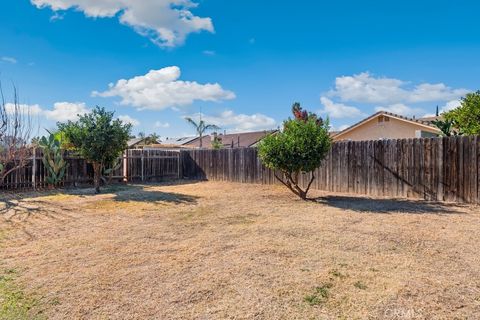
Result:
x=430 y=119
x=237 y=140
x=134 y=141
x=178 y=140
x=423 y=122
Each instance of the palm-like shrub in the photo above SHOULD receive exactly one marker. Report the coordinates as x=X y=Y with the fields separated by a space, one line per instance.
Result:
x=201 y=127
x=446 y=127
x=53 y=159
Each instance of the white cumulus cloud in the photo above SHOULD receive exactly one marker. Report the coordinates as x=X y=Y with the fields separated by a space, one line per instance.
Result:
x=365 y=88
x=65 y=111
x=161 y=89
x=228 y=119
x=339 y=110
x=128 y=119
x=24 y=109
x=165 y=22
x=450 y=105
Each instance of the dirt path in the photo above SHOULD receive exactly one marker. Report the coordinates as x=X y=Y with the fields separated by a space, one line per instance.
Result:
x=221 y=250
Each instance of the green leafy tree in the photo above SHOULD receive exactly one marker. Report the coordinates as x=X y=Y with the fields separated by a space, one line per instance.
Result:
x=201 y=127
x=466 y=118
x=53 y=159
x=299 y=148
x=99 y=138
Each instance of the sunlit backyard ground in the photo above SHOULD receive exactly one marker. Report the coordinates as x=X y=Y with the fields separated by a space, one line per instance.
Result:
x=229 y=251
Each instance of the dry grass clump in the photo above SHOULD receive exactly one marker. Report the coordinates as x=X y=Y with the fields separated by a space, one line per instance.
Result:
x=221 y=250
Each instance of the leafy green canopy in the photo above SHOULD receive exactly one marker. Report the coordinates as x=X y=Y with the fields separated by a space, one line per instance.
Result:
x=299 y=148
x=97 y=136
x=466 y=118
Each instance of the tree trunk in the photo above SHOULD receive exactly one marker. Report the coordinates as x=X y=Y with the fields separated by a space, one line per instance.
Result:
x=97 y=175
x=292 y=184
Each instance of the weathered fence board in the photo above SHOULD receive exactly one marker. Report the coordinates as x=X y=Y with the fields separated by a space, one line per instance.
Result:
x=439 y=169
x=134 y=166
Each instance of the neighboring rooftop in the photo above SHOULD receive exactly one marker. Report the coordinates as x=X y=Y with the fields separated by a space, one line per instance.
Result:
x=135 y=141
x=178 y=140
x=232 y=140
x=363 y=130
x=140 y=142
x=430 y=119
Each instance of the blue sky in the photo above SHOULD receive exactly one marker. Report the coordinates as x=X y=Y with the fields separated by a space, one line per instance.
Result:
x=242 y=63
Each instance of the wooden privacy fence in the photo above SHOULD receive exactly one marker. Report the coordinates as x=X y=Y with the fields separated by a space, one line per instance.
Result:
x=443 y=169
x=133 y=166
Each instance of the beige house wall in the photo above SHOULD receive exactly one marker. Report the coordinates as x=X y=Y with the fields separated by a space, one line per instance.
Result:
x=392 y=129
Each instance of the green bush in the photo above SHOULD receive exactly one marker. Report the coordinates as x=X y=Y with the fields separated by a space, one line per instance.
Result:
x=299 y=148
x=466 y=118
x=99 y=138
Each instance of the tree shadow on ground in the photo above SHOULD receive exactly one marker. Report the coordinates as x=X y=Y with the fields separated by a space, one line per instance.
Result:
x=16 y=208
x=145 y=193
x=386 y=206
x=22 y=206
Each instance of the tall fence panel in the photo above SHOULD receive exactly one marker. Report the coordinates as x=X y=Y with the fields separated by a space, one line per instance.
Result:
x=133 y=166
x=440 y=169
x=151 y=165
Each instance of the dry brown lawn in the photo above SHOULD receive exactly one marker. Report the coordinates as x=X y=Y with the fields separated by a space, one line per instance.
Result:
x=230 y=251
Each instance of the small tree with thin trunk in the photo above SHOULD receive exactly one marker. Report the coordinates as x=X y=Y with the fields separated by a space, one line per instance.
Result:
x=201 y=127
x=299 y=148
x=99 y=138
x=15 y=130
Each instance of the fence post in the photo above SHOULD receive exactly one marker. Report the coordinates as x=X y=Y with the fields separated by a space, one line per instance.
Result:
x=34 y=169
x=179 y=159
x=125 y=166
x=143 y=166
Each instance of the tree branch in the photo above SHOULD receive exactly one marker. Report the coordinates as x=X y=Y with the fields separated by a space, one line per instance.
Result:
x=299 y=190
x=288 y=184
x=310 y=184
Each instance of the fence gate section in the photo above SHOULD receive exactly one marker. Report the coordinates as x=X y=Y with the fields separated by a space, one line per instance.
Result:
x=150 y=165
